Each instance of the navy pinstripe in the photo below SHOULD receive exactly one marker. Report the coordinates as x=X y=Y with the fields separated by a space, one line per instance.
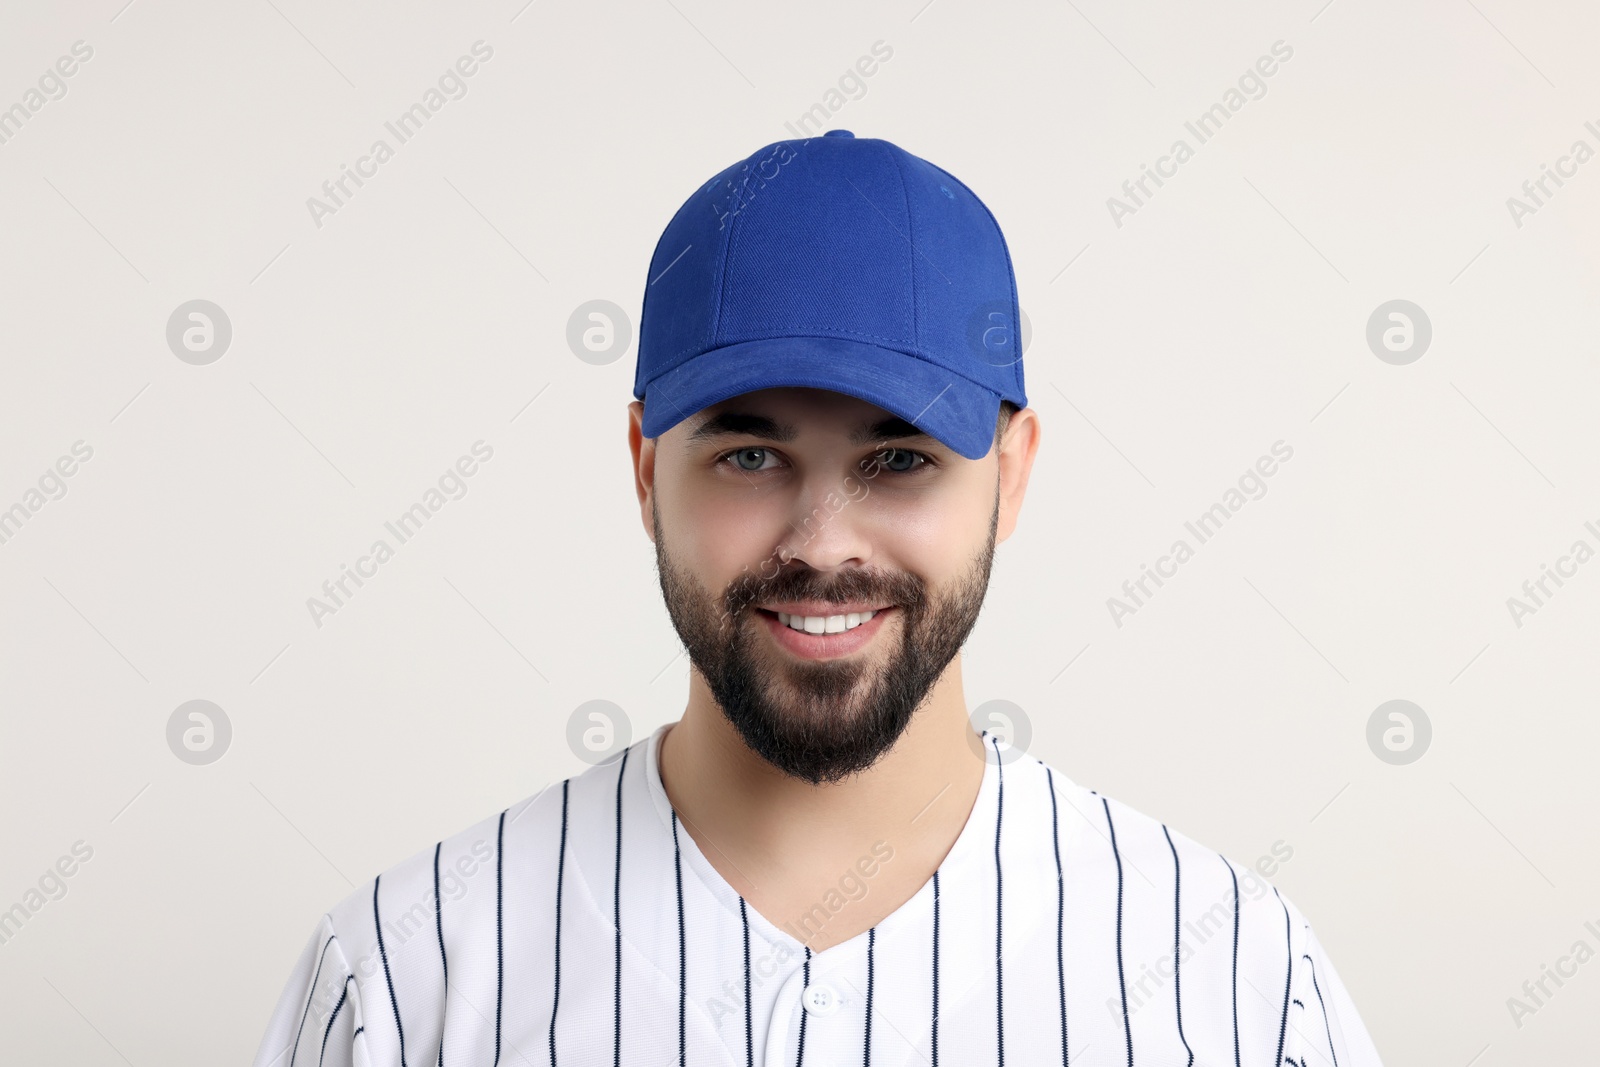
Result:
x=561 y=865
x=1122 y=984
x=866 y=1041
x=387 y=978
x=805 y=980
x=616 y=1046
x=334 y=1015
x=444 y=964
x=1235 y=876
x=309 y=999
x=999 y=908
x=1177 y=925
x=749 y=1038
x=1288 y=977
x=683 y=952
x=1326 y=1028
x=499 y=926
x=1061 y=902
x=935 y=969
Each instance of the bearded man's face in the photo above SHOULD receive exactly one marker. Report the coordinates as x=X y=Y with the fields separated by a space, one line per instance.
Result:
x=779 y=510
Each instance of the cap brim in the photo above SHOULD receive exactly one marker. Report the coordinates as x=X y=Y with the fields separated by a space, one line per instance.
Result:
x=958 y=412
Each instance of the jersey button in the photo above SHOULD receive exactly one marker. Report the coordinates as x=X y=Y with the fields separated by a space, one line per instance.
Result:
x=820 y=999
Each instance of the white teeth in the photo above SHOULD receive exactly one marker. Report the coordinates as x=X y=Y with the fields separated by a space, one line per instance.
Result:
x=817 y=624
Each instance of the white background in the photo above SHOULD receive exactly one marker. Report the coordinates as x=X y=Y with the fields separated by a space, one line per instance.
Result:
x=1167 y=354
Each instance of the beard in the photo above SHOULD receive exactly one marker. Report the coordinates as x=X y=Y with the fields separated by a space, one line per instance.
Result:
x=822 y=720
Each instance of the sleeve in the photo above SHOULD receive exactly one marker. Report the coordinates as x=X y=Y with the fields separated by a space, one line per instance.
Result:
x=1325 y=1028
x=317 y=1021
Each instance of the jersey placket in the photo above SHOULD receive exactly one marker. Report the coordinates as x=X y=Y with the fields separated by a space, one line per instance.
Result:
x=820 y=1014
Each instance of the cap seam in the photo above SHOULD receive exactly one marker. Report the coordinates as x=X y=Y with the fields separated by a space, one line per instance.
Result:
x=911 y=242
x=720 y=289
x=731 y=241
x=1011 y=272
x=639 y=363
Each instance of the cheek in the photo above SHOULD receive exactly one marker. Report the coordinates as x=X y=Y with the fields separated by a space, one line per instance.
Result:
x=929 y=543
x=955 y=510
x=938 y=534
x=717 y=535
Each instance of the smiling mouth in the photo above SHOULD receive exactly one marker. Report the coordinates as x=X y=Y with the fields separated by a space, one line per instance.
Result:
x=797 y=635
x=822 y=624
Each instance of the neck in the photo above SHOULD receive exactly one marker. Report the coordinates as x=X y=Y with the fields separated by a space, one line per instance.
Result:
x=784 y=843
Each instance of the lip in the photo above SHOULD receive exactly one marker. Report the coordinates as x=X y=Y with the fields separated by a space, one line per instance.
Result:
x=823 y=646
x=821 y=608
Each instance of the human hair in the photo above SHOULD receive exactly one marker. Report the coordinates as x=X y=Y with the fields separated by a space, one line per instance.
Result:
x=1007 y=409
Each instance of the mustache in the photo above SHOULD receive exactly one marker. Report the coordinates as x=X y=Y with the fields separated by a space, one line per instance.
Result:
x=901 y=590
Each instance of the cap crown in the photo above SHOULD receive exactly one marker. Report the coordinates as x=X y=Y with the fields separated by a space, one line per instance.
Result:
x=835 y=237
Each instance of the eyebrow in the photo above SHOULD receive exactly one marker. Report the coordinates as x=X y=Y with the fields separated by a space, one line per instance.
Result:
x=744 y=424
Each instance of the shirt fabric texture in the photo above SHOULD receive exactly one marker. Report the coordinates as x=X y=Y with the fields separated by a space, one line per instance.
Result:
x=583 y=926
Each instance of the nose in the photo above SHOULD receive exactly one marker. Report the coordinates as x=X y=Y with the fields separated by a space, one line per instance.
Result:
x=828 y=525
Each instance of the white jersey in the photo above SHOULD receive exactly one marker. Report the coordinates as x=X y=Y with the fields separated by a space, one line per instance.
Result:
x=583 y=926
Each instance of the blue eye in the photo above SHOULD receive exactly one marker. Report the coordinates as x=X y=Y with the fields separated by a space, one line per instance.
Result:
x=901 y=461
x=889 y=455
x=743 y=453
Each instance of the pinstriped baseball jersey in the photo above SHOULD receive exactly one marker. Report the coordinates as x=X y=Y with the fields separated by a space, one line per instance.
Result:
x=583 y=926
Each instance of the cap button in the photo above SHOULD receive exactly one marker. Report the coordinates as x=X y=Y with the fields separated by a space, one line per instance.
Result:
x=838 y=133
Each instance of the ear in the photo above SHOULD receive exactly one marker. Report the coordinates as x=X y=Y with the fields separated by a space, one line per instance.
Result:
x=644 y=465
x=1016 y=453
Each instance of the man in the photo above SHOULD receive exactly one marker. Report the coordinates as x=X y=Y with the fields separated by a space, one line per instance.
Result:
x=822 y=861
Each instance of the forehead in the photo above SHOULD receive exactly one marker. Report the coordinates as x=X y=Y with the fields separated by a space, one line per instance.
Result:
x=787 y=413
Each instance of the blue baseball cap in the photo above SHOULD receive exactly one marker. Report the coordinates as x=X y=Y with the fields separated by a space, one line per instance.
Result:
x=837 y=263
